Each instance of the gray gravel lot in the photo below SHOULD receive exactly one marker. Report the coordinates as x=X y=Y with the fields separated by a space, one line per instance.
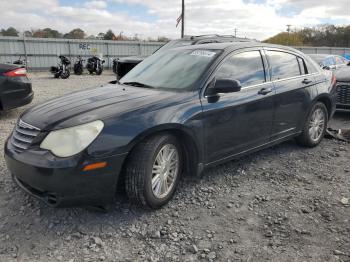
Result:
x=285 y=203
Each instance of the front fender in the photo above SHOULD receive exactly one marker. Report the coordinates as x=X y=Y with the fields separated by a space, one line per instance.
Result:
x=120 y=134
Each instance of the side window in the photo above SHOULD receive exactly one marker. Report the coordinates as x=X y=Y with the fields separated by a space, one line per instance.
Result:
x=247 y=67
x=302 y=66
x=284 y=65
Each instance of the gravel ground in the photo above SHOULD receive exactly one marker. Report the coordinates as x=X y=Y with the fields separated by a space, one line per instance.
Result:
x=285 y=203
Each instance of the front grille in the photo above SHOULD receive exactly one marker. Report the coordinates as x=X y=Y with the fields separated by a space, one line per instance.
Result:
x=23 y=136
x=343 y=93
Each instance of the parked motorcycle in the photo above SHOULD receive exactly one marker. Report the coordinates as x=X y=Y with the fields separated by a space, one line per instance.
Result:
x=78 y=66
x=62 y=69
x=95 y=65
x=20 y=62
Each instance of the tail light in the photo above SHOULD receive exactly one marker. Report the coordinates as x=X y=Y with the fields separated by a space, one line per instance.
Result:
x=16 y=72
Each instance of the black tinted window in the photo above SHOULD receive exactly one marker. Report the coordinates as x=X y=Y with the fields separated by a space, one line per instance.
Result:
x=283 y=65
x=246 y=67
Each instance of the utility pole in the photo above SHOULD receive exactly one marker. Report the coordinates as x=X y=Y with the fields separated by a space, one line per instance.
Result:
x=288 y=30
x=183 y=20
x=235 y=32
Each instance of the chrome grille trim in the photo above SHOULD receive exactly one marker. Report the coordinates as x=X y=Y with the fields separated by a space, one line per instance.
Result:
x=23 y=136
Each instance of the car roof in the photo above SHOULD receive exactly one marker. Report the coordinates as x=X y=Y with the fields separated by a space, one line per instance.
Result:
x=222 y=38
x=230 y=46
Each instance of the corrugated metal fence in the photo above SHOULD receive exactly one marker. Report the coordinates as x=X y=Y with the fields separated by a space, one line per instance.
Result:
x=324 y=50
x=41 y=53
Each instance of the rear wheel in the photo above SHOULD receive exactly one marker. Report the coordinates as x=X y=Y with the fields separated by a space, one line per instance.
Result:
x=153 y=171
x=315 y=126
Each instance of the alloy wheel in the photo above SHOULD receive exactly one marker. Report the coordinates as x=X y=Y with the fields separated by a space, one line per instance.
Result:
x=317 y=125
x=165 y=170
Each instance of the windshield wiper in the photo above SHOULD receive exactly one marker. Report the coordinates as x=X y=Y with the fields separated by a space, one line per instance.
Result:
x=137 y=84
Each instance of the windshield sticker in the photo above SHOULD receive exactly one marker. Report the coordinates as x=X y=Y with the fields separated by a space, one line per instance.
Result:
x=203 y=53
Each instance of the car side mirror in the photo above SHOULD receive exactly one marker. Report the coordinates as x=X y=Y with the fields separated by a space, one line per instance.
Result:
x=224 y=86
x=326 y=68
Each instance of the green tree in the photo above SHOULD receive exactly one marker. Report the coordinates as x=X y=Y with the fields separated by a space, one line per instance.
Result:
x=101 y=36
x=322 y=35
x=109 y=35
x=11 y=31
x=75 y=34
x=163 y=39
x=46 y=33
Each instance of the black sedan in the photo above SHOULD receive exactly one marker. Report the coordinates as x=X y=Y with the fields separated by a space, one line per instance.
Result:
x=177 y=112
x=15 y=87
x=341 y=68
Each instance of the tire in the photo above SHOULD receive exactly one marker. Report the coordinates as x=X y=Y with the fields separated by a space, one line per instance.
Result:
x=140 y=171
x=65 y=75
x=306 y=138
x=99 y=72
x=78 y=70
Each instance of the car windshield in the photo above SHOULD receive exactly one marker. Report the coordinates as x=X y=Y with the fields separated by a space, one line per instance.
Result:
x=174 y=44
x=176 y=69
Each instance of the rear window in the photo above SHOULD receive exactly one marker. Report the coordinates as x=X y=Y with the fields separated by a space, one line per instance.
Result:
x=283 y=65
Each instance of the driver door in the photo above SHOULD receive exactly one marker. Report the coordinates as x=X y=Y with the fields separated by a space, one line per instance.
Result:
x=238 y=122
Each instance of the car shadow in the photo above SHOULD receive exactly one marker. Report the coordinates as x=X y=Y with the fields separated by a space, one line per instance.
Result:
x=121 y=211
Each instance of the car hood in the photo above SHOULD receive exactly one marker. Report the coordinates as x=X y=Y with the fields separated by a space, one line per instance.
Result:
x=131 y=59
x=343 y=74
x=98 y=103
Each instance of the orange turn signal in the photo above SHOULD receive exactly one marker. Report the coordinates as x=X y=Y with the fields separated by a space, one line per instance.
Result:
x=95 y=166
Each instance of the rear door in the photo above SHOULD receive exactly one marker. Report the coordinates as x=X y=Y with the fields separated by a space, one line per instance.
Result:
x=239 y=121
x=291 y=81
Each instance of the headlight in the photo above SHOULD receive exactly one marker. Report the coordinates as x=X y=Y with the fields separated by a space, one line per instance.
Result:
x=70 y=141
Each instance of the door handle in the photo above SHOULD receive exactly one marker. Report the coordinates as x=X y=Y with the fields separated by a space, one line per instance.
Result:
x=264 y=91
x=307 y=81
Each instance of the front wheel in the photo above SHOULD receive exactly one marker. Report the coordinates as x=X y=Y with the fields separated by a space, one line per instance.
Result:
x=99 y=71
x=315 y=126
x=153 y=171
x=65 y=74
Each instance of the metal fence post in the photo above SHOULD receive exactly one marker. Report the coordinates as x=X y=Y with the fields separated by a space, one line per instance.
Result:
x=108 y=62
x=69 y=53
x=25 y=51
x=139 y=45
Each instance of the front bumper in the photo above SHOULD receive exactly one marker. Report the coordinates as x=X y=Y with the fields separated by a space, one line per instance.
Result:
x=62 y=182
x=343 y=96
